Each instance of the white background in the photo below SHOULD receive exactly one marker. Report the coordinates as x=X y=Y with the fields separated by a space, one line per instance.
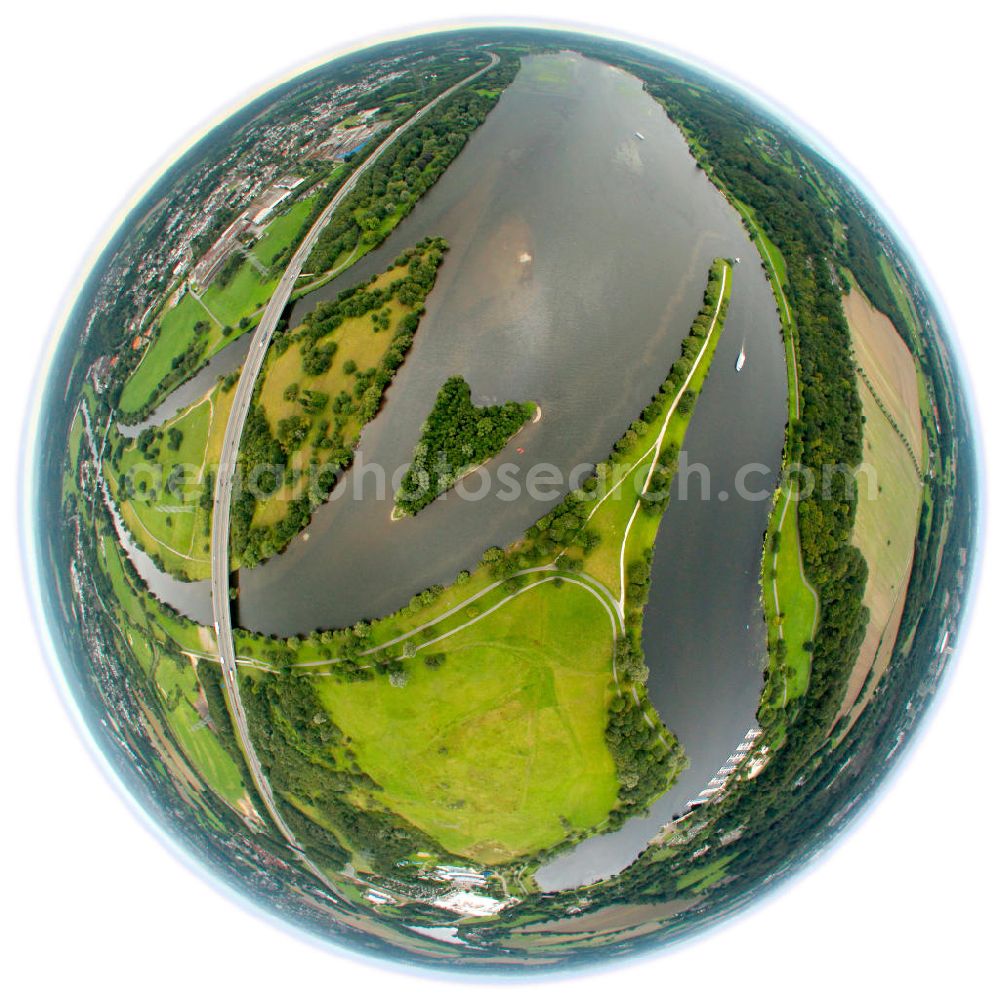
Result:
x=97 y=98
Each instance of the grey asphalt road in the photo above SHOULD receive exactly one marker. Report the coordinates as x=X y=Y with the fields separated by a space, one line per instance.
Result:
x=221 y=608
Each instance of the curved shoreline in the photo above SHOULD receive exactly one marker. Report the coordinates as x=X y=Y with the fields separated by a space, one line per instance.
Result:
x=398 y=515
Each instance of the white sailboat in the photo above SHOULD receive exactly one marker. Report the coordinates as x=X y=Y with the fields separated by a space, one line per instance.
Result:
x=639 y=135
x=741 y=358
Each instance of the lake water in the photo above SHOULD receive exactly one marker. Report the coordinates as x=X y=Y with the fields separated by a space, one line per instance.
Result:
x=579 y=257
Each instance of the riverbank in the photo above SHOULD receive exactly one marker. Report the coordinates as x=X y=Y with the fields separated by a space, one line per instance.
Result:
x=790 y=602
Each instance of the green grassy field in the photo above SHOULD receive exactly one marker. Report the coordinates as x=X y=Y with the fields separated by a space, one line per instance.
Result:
x=705 y=876
x=181 y=691
x=796 y=608
x=176 y=335
x=280 y=233
x=245 y=294
x=165 y=515
x=500 y=751
x=790 y=605
x=240 y=299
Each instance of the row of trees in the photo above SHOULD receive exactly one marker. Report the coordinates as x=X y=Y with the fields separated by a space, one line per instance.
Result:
x=392 y=186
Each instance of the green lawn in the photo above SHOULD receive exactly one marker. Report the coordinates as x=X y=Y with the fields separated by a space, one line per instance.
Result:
x=175 y=336
x=796 y=604
x=164 y=515
x=280 y=233
x=500 y=751
x=704 y=876
x=243 y=295
x=795 y=600
x=181 y=691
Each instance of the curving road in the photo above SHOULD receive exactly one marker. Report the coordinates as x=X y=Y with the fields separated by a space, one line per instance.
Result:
x=221 y=610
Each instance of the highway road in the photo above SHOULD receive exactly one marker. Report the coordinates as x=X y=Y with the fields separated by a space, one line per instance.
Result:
x=221 y=609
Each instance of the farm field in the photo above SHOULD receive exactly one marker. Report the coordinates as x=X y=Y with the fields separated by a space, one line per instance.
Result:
x=889 y=496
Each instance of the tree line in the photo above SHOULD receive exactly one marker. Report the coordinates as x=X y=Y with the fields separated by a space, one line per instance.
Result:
x=397 y=180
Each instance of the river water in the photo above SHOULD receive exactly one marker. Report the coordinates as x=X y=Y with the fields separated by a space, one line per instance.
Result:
x=229 y=359
x=579 y=257
x=703 y=632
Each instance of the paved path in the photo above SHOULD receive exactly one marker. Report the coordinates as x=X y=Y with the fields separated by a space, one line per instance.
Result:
x=658 y=445
x=787 y=320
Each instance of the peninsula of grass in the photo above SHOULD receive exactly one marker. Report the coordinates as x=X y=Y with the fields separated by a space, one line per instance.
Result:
x=433 y=700
x=642 y=464
x=162 y=482
x=456 y=438
x=318 y=386
x=495 y=744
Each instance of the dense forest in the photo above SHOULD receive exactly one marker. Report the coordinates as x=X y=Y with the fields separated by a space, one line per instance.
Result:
x=456 y=437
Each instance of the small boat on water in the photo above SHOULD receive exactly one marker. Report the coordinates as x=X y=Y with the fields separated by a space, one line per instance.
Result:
x=639 y=135
x=741 y=358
